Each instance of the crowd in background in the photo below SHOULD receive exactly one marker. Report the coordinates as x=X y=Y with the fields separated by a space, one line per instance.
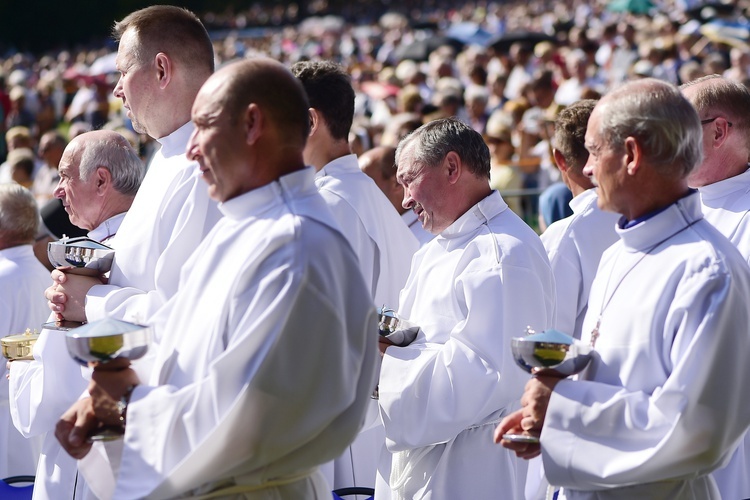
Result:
x=505 y=68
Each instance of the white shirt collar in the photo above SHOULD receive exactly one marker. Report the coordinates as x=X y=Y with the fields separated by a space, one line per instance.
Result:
x=174 y=143
x=107 y=229
x=259 y=200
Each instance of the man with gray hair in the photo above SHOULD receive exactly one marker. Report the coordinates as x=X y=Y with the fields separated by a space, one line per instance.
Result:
x=723 y=181
x=656 y=410
x=100 y=174
x=22 y=306
x=481 y=281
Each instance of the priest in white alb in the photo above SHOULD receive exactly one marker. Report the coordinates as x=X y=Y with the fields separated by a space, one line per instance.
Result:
x=660 y=406
x=267 y=357
x=99 y=176
x=382 y=242
x=723 y=181
x=481 y=281
x=23 y=280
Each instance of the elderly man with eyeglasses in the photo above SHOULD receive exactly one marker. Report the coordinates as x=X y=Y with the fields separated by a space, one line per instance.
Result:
x=723 y=180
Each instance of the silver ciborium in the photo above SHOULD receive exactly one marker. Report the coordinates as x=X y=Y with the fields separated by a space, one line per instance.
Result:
x=78 y=256
x=99 y=343
x=549 y=353
x=399 y=331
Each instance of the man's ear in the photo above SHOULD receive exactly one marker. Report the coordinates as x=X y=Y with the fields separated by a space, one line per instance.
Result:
x=562 y=165
x=164 y=69
x=633 y=155
x=102 y=179
x=719 y=131
x=253 y=123
x=453 y=166
x=315 y=122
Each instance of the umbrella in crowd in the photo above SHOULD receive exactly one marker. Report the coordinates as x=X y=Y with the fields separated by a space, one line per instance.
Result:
x=420 y=50
x=734 y=34
x=632 y=6
x=469 y=33
x=503 y=42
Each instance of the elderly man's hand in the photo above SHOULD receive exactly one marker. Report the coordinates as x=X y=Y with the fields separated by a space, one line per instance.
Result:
x=512 y=425
x=74 y=426
x=67 y=295
x=534 y=402
x=109 y=383
x=383 y=344
x=530 y=418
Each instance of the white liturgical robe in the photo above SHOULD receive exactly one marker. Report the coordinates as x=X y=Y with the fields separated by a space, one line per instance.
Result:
x=726 y=205
x=168 y=219
x=267 y=359
x=478 y=284
x=23 y=280
x=660 y=405
x=575 y=246
x=384 y=247
x=43 y=389
x=381 y=241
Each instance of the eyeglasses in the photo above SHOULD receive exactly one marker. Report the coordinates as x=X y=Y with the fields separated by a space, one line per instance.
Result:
x=709 y=120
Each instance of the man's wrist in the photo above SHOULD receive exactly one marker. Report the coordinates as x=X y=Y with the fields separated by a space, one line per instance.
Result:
x=122 y=404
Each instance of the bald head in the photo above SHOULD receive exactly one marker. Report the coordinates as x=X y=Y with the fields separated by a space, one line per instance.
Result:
x=379 y=164
x=271 y=86
x=251 y=124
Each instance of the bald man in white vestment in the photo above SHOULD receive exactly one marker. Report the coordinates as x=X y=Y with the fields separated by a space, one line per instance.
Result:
x=99 y=176
x=658 y=409
x=267 y=358
x=482 y=280
x=723 y=181
x=23 y=280
x=382 y=242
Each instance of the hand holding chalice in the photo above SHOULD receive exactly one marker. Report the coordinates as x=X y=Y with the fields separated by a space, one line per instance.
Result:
x=550 y=354
x=108 y=345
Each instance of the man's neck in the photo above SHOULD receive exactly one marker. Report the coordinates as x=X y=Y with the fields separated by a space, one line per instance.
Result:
x=323 y=155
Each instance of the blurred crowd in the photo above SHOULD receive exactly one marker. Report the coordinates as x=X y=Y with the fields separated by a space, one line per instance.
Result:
x=505 y=68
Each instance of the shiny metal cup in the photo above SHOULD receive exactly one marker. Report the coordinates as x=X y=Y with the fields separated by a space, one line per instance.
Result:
x=80 y=256
x=20 y=346
x=397 y=330
x=550 y=353
x=108 y=339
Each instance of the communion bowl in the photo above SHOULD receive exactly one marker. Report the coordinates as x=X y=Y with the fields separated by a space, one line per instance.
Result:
x=397 y=330
x=19 y=346
x=80 y=255
x=107 y=339
x=550 y=353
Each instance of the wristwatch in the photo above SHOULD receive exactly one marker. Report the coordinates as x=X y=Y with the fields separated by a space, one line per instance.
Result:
x=122 y=404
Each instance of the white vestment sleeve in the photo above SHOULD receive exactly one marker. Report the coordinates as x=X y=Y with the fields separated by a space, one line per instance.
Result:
x=248 y=411
x=570 y=300
x=186 y=217
x=597 y=435
x=429 y=393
